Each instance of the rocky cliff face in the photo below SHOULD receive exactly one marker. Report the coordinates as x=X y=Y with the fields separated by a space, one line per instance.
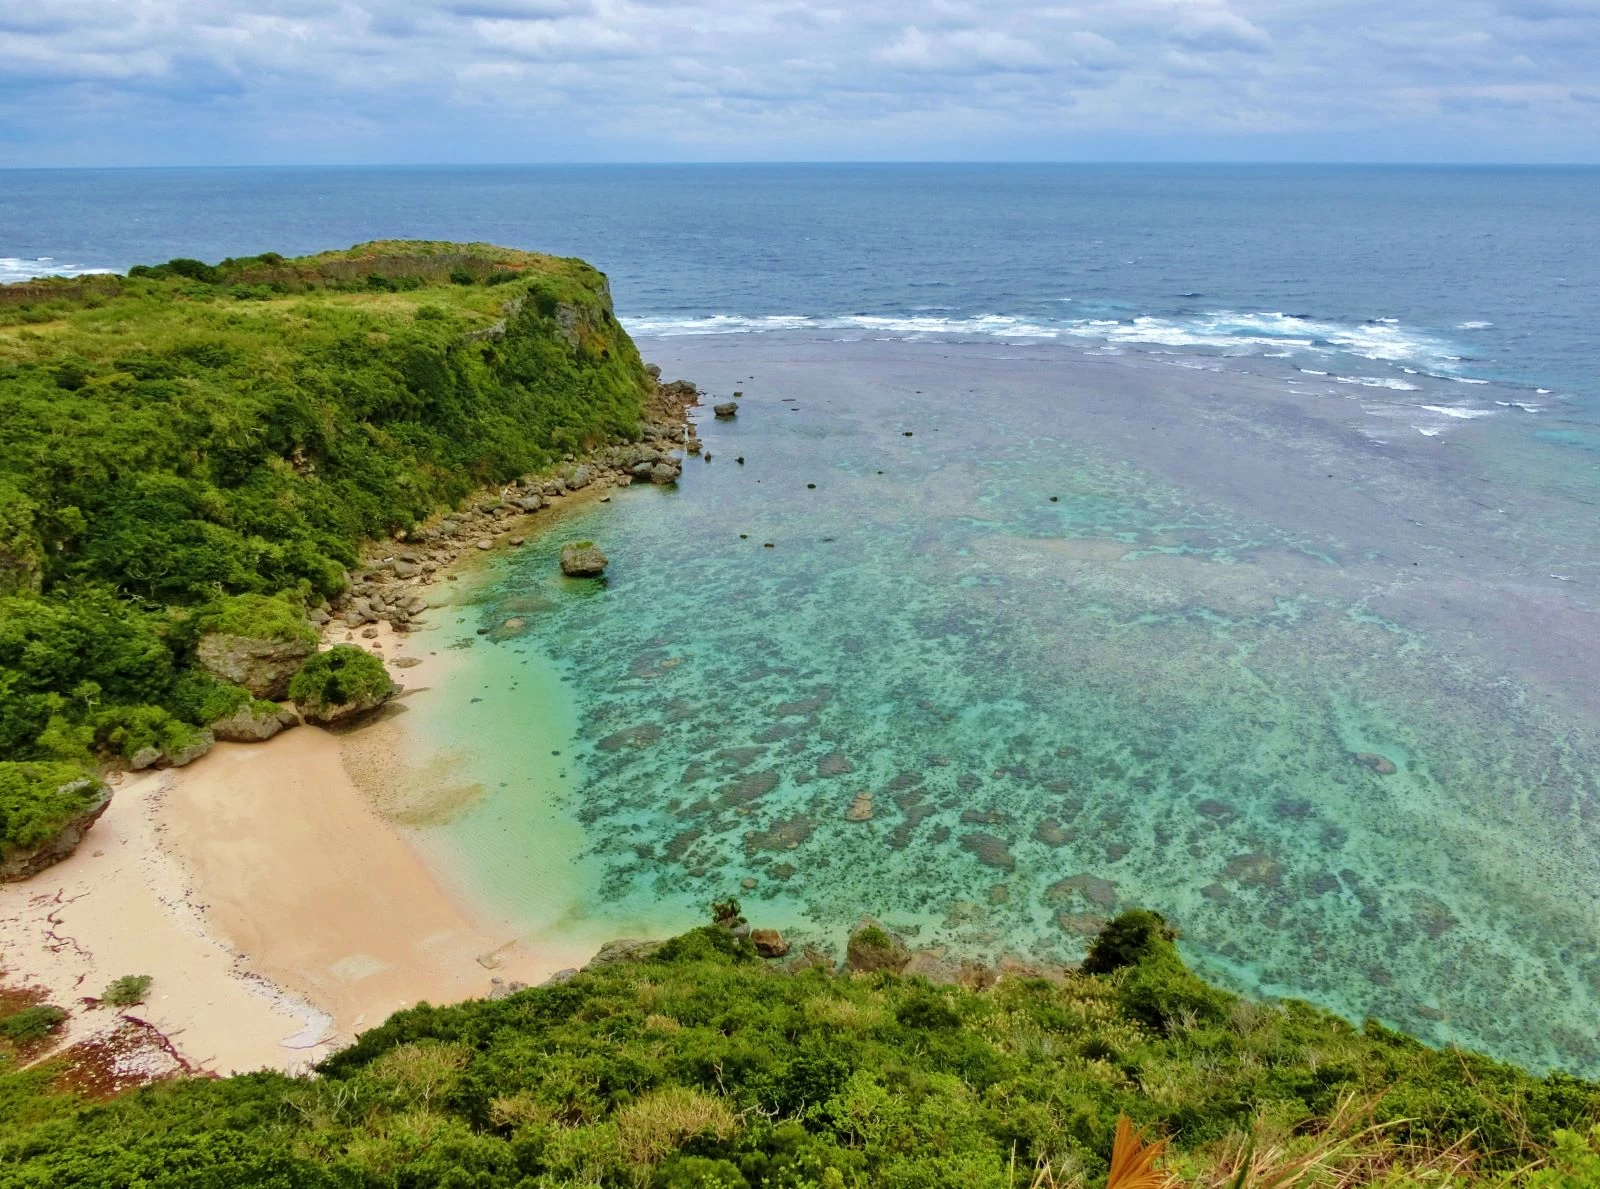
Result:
x=262 y=666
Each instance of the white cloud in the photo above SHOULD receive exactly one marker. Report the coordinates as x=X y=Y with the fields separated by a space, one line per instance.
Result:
x=158 y=79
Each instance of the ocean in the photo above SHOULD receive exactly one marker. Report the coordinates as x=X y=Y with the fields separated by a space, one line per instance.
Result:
x=1215 y=539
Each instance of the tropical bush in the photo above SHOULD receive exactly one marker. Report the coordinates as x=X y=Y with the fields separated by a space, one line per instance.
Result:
x=127 y=991
x=704 y=1066
x=32 y=1023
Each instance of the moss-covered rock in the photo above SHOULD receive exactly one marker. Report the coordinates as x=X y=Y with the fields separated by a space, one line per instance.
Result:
x=872 y=947
x=253 y=722
x=340 y=684
x=45 y=810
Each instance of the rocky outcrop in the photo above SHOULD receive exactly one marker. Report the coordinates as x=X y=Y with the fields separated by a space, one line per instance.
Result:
x=253 y=722
x=339 y=712
x=726 y=409
x=188 y=752
x=262 y=666
x=769 y=943
x=624 y=950
x=872 y=947
x=582 y=559
x=20 y=864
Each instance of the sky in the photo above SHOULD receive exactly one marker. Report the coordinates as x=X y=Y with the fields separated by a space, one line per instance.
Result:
x=183 y=82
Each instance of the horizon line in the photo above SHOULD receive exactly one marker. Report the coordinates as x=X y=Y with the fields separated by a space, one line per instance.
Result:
x=801 y=162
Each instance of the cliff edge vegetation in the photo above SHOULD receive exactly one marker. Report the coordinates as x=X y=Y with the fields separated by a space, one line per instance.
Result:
x=199 y=447
x=695 y=1063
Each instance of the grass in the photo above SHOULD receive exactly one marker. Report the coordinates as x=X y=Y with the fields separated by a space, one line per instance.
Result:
x=703 y=1066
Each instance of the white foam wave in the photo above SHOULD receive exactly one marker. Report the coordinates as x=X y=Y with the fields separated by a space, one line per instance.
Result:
x=1263 y=333
x=1377 y=382
x=1457 y=412
x=18 y=268
x=1473 y=325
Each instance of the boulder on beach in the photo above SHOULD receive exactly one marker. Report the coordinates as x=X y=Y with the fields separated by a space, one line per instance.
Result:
x=340 y=684
x=726 y=409
x=253 y=722
x=582 y=559
x=65 y=804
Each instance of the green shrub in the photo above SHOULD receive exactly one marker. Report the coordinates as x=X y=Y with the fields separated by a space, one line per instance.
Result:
x=1127 y=939
x=32 y=1023
x=281 y=616
x=337 y=677
x=127 y=730
x=199 y=698
x=127 y=991
x=38 y=799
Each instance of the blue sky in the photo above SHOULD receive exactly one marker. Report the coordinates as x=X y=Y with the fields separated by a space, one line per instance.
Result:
x=161 y=82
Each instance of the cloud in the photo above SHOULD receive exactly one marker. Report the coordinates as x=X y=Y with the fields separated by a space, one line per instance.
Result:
x=194 y=80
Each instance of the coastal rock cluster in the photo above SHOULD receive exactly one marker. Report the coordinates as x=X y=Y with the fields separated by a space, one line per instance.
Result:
x=386 y=588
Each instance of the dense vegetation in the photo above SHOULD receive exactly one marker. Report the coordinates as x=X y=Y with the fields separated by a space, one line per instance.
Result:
x=702 y=1066
x=204 y=446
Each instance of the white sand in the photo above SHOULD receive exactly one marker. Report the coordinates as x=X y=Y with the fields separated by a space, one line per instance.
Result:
x=279 y=913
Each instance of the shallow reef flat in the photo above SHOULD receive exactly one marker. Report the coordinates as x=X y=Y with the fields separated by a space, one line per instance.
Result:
x=998 y=641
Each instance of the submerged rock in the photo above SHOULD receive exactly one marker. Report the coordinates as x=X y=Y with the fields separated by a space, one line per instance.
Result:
x=1097 y=891
x=1380 y=764
x=989 y=850
x=860 y=809
x=582 y=559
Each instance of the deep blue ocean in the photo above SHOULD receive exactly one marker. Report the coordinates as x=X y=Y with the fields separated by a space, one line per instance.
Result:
x=1463 y=272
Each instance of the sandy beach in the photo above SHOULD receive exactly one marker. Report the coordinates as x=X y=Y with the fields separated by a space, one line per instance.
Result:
x=278 y=909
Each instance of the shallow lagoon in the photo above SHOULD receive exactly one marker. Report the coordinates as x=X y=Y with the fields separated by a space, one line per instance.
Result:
x=1155 y=688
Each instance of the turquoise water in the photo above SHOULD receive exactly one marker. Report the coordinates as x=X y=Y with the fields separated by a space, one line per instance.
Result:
x=1132 y=694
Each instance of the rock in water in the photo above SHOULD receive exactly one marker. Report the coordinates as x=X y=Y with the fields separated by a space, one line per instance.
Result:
x=726 y=409
x=872 y=947
x=262 y=666
x=582 y=559
x=769 y=943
